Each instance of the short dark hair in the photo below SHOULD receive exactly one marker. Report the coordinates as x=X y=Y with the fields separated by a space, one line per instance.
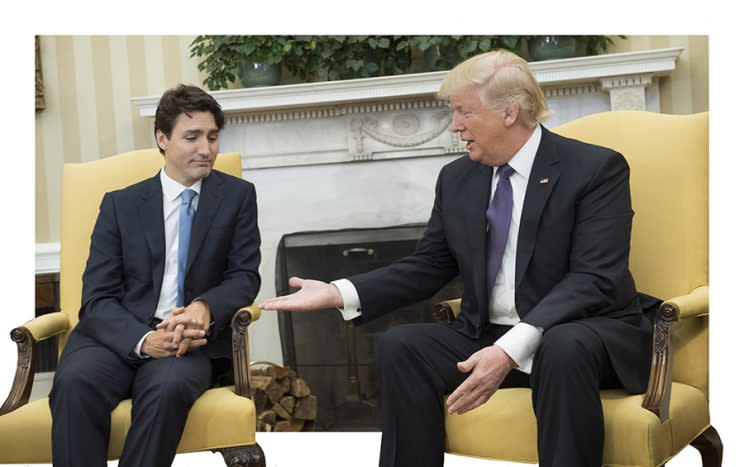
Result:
x=184 y=99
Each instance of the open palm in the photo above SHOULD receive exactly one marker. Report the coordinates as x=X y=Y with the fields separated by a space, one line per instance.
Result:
x=313 y=295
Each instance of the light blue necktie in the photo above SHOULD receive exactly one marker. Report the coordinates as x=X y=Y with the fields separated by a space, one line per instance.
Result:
x=185 y=219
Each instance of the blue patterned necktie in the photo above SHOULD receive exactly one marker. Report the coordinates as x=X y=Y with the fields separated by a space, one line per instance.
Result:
x=185 y=219
x=499 y=219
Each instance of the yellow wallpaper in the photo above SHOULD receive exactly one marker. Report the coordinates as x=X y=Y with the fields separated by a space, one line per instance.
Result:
x=89 y=79
x=685 y=90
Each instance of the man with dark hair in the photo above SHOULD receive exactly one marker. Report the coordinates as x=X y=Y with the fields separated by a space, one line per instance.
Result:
x=538 y=228
x=171 y=259
x=184 y=100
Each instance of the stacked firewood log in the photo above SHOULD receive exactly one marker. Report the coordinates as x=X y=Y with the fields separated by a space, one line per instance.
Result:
x=283 y=401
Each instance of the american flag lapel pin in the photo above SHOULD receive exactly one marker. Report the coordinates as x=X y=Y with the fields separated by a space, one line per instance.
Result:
x=544 y=181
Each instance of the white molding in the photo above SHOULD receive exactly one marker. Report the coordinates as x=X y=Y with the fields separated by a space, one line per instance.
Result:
x=329 y=93
x=47 y=258
x=314 y=94
x=658 y=62
x=354 y=120
x=574 y=90
x=282 y=115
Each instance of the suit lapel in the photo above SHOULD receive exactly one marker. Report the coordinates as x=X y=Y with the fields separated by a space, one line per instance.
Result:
x=151 y=216
x=543 y=177
x=476 y=192
x=209 y=202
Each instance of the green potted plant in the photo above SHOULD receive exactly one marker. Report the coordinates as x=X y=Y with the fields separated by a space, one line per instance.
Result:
x=254 y=60
x=551 y=47
x=555 y=47
x=320 y=58
x=596 y=45
x=444 y=52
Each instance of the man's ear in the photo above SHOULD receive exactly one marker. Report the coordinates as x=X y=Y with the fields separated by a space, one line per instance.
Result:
x=511 y=114
x=161 y=139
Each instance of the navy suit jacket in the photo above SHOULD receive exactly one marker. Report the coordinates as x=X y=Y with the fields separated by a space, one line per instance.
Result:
x=572 y=252
x=124 y=272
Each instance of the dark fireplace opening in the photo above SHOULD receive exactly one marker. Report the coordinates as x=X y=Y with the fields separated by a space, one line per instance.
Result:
x=335 y=357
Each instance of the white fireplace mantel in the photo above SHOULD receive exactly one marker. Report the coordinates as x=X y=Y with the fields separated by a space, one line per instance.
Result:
x=399 y=116
x=561 y=73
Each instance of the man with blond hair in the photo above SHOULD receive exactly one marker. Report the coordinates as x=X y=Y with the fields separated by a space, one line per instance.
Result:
x=538 y=227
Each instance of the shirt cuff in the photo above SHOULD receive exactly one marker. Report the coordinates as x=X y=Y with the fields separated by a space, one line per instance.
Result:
x=352 y=307
x=520 y=343
x=137 y=348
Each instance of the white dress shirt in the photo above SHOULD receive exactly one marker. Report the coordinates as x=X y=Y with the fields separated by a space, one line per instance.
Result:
x=521 y=341
x=171 y=211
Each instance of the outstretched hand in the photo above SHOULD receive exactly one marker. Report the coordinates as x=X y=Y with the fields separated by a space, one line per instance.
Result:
x=488 y=367
x=313 y=295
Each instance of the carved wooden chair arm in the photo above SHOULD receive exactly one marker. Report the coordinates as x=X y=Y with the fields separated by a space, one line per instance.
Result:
x=659 y=389
x=25 y=336
x=241 y=363
x=48 y=325
x=658 y=393
x=446 y=312
x=693 y=304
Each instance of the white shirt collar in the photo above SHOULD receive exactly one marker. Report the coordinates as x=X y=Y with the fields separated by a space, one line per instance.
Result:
x=525 y=157
x=172 y=189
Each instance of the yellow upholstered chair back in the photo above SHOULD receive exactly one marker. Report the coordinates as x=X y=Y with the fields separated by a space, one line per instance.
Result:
x=83 y=187
x=668 y=157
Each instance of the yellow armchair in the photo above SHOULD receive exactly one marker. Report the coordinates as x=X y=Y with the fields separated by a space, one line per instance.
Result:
x=668 y=156
x=222 y=419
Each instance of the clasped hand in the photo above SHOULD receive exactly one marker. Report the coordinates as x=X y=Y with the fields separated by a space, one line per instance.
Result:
x=181 y=332
x=488 y=367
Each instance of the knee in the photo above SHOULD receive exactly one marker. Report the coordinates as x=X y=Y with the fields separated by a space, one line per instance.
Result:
x=69 y=386
x=176 y=392
x=394 y=342
x=167 y=390
x=562 y=347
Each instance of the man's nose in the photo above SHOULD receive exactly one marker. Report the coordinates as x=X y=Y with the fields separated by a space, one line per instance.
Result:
x=456 y=124
x=203 y=147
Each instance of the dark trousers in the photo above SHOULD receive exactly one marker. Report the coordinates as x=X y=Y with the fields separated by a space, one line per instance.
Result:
x=417 y=367
x=91 y=381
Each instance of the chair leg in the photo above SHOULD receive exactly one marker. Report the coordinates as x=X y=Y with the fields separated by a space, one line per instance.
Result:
x=710 y=446
x=244 y=456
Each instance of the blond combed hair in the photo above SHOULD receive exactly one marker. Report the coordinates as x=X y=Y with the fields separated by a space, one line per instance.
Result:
x=504 y=79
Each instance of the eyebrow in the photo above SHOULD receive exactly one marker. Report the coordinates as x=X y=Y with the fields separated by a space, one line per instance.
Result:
x=464 y=107
x=199 y=131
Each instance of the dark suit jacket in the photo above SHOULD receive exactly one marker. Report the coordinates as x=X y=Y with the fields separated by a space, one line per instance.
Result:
x=124 y=272
x=572 y=251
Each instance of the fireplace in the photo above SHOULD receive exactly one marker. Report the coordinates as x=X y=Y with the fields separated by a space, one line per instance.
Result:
x=336 y=357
